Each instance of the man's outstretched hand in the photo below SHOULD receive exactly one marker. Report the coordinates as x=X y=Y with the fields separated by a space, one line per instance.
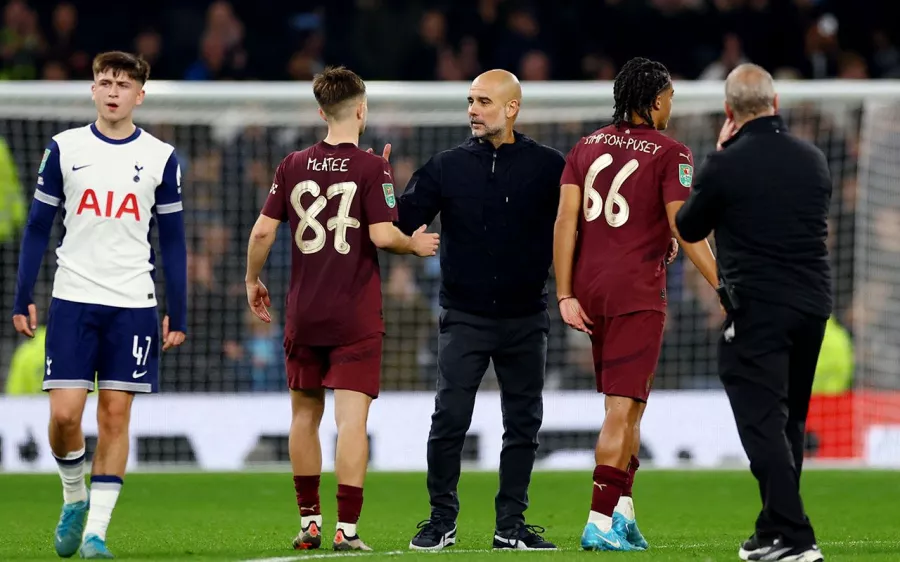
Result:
x=425 y=244
x=386 y=153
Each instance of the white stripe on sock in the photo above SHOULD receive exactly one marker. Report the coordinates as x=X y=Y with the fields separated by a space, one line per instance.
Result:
x=103 y=501
x=72 y=477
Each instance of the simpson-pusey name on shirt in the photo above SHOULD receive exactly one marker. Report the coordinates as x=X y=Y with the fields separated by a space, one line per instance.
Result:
x=626 y=142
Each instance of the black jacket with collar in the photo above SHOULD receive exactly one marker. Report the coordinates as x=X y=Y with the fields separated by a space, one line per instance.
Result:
x=766 y=195
x=498 y=208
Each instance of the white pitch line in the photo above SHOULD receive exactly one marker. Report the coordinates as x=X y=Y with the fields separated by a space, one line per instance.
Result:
x=389 y=553
x=447 y=551
x=323 y=555
x=444 y=552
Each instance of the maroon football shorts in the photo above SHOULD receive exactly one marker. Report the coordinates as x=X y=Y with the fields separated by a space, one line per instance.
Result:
x=626 y=350
x=356 y=366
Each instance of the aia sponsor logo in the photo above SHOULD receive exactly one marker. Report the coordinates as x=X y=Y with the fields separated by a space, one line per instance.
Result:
x=109 y=205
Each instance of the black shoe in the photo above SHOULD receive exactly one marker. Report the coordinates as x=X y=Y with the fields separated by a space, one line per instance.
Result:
x=750 y=545
x=525 y=537
x=434 y=534
x=775 y=549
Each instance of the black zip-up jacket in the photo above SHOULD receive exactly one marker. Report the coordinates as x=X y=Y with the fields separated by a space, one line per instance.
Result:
x=766 y=195
x=497 y=207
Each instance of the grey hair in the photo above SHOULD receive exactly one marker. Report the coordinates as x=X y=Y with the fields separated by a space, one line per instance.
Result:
x=749 y=90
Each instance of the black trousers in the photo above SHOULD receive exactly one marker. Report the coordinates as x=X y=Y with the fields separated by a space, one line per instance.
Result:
x=767 y=361
x=466 y=344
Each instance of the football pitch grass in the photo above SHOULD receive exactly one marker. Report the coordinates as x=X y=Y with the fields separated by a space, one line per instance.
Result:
x=692 y=515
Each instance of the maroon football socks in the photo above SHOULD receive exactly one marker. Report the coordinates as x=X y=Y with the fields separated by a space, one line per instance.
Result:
x=608 y=485
x=349 y=503
x=307 y=488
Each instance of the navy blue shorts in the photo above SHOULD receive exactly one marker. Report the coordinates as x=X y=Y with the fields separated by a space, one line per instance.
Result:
x=118 y=346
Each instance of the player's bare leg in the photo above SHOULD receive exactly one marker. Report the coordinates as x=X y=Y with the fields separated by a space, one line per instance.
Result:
x=67 y=444
x=626 y=503
x=113 y=419
x=612 y=455
x=108 y=470
x=351 y=413
x=307 y=407
x=66 y=410
x=615 y=443
x=624 y=519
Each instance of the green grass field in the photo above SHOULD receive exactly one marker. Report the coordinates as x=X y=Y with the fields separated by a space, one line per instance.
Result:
x=685 y=516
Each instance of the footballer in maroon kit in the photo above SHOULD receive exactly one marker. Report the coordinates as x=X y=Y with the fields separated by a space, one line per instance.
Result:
x=340 y=203
x=622 y=187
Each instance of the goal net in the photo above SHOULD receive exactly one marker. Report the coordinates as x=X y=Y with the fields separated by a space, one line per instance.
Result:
x=230 y=137
x=875 y=297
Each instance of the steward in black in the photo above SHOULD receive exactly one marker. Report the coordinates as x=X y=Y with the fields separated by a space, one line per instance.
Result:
x=766 y=195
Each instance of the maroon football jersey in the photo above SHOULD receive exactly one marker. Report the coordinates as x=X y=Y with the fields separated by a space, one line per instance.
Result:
x=627 y=176
x=330 y=195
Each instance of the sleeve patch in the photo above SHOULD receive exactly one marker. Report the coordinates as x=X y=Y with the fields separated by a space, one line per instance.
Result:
x=389 y=198
x=44 y=161
x=685 y=174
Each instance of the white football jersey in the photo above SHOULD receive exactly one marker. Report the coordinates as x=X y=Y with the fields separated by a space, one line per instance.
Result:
x=109 y=190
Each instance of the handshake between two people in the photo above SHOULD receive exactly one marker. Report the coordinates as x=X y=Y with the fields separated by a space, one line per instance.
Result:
x=424 y=244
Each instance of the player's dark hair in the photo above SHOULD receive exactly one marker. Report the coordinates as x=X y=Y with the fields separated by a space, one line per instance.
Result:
x=134 y=66
x=335 y=85
x=636 y=88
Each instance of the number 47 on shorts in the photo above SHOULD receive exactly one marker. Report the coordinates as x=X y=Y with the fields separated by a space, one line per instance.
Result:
x=141 y=354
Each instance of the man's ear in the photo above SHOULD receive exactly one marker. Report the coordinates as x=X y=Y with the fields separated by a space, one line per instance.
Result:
x=775 y=103
x=728 y=112
x=512 y=109
x=322 y=115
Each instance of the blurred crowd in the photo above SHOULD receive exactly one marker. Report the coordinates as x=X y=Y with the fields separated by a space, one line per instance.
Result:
x=226 y=180
x=453 y=40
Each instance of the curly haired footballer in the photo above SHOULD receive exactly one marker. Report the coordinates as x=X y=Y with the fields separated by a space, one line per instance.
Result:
x=620 y=192
x=636 y=88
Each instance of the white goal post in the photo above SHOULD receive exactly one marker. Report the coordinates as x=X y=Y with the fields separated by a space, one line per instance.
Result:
x=395 y=103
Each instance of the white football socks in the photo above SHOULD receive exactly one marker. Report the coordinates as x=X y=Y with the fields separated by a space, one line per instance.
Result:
x=348 y=528
x=603 y=522
x=71 y=472
x=305 y=520
x=626 y=507
x=104 y=494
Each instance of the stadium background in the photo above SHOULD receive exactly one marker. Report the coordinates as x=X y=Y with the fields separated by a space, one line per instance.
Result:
x=227 y=171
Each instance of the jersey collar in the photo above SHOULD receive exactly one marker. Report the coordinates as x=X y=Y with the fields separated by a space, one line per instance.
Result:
x=768 y=124
x=627 y=125
x=106 y=139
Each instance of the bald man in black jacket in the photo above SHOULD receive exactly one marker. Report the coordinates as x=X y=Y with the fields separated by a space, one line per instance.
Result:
x=497 y=194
